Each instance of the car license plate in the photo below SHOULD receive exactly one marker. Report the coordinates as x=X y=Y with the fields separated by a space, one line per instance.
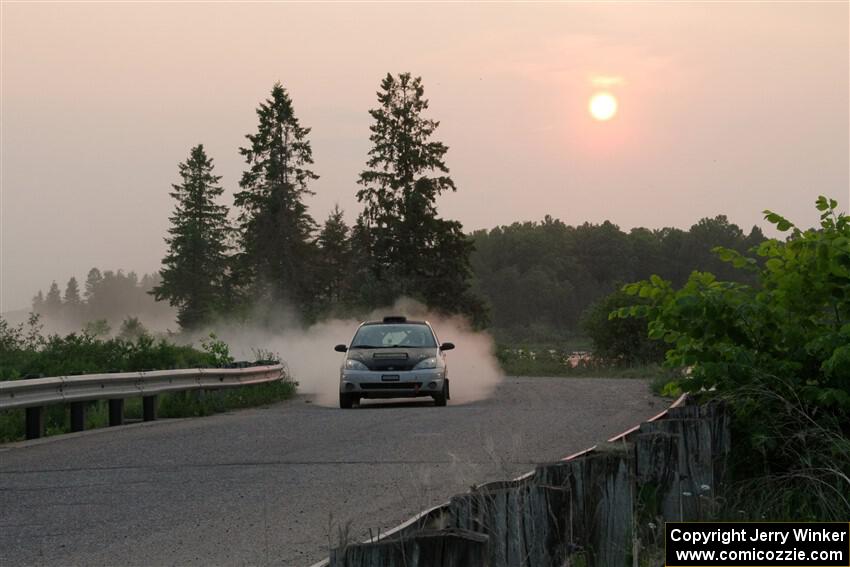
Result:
x=390 y=378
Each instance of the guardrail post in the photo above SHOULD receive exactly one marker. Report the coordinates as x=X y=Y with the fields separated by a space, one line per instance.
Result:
x=149 y=408
x=78 y=416
x=116 y=412
x=34 y=422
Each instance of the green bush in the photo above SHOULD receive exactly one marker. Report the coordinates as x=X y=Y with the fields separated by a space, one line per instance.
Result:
x=25 y=352
x=779 y=352
x=620 y=340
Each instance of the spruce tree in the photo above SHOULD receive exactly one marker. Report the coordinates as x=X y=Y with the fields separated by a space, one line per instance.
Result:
x=93 y=280
x=72 y=307
x=38 y=303
x=72 y=293
x=334 y=258
x=413 y=251
x=370 y=292
x=53 y=301
x=274 y=225
x=195 y=266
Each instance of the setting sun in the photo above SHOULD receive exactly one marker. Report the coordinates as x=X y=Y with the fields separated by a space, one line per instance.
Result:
x=603 y=106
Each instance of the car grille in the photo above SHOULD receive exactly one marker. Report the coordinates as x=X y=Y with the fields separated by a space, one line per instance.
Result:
x=390 y=365
x=389 y=385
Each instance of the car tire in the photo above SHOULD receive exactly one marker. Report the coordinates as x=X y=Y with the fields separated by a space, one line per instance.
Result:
x=346 y=401
x=441 y=398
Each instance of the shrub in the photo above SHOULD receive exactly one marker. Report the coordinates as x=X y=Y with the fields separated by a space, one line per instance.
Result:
x=620 y=340
x=24 y=352
x=779 y=351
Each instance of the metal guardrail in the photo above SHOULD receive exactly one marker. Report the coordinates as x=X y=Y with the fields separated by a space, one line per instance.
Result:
x=34 y=393
x=64 y=389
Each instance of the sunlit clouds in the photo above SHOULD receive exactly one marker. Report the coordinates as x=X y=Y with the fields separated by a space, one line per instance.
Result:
x=606 y=81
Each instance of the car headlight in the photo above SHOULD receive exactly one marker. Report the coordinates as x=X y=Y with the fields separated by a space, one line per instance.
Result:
x=354 y=364
x=426 y=363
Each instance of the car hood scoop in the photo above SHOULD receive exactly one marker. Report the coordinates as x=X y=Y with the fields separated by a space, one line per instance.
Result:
x=389 y=356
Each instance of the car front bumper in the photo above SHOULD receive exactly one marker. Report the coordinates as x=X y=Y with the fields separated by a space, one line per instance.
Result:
x=392 y=384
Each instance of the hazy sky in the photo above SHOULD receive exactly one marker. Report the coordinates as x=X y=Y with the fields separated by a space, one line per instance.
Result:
x=723 y=108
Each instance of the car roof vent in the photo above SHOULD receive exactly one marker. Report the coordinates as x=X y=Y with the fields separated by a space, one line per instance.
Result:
x=395 y=319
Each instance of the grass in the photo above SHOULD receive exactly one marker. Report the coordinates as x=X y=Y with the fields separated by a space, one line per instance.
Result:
x=545 y=360
x=174 y=405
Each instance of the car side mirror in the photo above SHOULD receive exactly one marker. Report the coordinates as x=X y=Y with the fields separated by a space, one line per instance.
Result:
x=447 y=346
x=341 y=348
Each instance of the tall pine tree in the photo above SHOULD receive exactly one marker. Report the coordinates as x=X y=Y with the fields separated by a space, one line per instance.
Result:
x=275 y=228
x=93 y=280
x=38 y=303
x=413 y=251
x=195 y=266
x=72 y=293
x=53 y=301
x=334 y=263
x=73 y=305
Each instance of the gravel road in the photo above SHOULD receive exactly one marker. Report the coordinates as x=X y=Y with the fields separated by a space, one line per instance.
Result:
x=270 y=486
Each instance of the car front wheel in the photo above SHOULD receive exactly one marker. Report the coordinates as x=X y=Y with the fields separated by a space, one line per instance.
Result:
x=441 y=398
x=346 y=400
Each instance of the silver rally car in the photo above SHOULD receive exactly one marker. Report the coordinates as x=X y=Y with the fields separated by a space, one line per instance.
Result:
x=393 y=358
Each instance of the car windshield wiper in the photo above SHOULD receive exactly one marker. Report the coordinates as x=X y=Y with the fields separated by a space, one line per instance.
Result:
x=364 y=346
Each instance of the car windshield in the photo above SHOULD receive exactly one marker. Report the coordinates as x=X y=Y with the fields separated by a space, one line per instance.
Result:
x=392 y=336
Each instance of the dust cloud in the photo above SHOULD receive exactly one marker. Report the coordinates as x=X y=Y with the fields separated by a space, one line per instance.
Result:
x=308 y=352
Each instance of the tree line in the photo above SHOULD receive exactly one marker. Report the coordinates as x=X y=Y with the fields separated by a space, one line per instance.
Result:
x=108 y=299
x=275 y=252
x=541 y=280
x=538 y=281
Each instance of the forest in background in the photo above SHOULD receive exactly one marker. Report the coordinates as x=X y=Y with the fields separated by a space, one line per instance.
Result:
x=537 y=280
x=108 y=302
